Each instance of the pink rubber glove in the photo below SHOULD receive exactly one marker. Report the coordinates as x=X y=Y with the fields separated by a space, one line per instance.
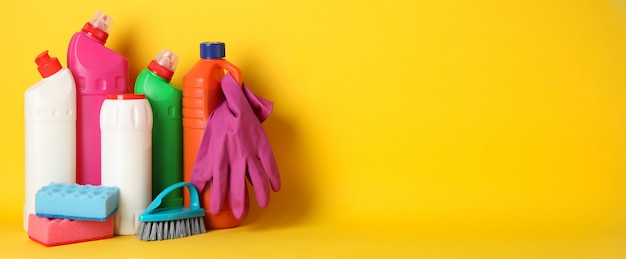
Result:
x=234 y=146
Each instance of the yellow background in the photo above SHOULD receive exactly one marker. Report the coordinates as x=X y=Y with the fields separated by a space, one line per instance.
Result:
x=436 y=129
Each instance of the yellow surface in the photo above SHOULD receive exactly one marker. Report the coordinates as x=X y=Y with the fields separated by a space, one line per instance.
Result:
x=435 y=129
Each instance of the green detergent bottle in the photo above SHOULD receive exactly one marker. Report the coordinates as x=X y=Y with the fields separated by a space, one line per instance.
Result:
x=167 y=131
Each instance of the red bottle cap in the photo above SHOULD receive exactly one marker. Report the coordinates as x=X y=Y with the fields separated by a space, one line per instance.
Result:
x=164 y=64
x=99 y=26
x=46 y=65
x=95 y=32
x=125 y=96
x=160 y=70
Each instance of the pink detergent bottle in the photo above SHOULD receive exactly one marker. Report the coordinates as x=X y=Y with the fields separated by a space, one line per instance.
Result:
x=98 y=71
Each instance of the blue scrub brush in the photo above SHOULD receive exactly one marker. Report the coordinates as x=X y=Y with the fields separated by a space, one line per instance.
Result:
x=170 y=223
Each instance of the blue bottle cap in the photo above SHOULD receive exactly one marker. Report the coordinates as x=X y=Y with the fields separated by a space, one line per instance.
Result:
x=212 y=50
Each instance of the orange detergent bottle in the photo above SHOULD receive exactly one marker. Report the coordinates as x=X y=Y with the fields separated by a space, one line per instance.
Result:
x=201 y=94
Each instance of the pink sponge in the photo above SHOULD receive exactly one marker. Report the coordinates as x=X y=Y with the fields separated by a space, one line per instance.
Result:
x=54 y=232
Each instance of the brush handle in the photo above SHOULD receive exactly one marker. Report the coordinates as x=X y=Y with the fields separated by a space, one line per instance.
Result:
x=194 y=203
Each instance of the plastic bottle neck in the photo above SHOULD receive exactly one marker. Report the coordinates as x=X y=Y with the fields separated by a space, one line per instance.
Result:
x=160 y=71
x=95 y=33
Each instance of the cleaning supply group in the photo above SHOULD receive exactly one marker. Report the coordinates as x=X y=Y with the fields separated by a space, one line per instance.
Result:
x=104 y=158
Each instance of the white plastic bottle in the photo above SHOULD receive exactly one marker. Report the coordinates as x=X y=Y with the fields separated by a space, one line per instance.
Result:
x=50 y=130
x=126 y=134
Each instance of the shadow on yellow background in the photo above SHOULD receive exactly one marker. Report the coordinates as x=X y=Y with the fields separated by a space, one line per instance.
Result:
x=437 y=129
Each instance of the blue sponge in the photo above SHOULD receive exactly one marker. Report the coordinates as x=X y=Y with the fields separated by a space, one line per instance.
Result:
x=74 y=201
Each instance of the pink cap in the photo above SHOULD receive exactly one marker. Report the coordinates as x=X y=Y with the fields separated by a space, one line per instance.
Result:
x=46 y=65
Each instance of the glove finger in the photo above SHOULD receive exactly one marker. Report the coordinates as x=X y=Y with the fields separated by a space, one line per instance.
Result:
x=199 y=179
x=200 y=172
x=259 y=182
x=219 y=170
x=269 y=162
x=238 y=187
x=262 y=107
x=246 y=204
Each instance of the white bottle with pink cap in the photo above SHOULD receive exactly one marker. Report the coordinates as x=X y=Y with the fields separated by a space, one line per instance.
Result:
x=50 y=130
x=126 y=131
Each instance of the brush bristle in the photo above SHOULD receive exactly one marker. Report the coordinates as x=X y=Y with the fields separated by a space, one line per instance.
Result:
x=163 y=230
